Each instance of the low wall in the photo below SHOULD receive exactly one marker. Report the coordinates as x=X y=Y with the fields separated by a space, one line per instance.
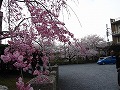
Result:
x=52 y=85
x=45 y=85
x=55 y=70
x=3 y=87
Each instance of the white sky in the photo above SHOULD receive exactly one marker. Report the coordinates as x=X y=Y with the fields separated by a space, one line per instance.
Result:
x=93 y=15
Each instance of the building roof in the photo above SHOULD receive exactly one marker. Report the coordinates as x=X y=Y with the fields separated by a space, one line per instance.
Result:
x=115 y=21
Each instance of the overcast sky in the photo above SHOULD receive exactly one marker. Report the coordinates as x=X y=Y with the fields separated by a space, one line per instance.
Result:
x=93 y=15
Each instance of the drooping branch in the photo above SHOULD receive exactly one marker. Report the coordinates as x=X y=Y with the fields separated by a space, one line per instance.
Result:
x=4 y=35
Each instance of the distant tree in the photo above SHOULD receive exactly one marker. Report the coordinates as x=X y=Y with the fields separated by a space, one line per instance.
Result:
x=92 y=43
x=87 y=47
x=70 y=52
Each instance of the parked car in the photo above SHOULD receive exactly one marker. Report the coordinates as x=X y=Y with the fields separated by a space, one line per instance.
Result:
x=106 y=60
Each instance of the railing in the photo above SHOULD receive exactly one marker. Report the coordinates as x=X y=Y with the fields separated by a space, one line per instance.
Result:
x=116 y=32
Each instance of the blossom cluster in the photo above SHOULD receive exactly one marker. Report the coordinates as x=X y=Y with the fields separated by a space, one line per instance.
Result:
x=22 y=86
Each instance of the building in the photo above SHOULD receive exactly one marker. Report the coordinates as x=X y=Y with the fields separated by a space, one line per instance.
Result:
x=115 y=29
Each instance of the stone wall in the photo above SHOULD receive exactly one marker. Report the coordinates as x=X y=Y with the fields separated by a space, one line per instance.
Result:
x=37 y=85
x=55 y=70
x=3 y=87
x=52 y=85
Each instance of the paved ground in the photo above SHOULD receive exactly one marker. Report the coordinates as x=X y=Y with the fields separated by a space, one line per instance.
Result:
x=88 y=77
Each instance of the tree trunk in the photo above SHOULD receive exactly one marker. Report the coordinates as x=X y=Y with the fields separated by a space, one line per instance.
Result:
x=86 y=59
x=70 y=61
x=1 y=3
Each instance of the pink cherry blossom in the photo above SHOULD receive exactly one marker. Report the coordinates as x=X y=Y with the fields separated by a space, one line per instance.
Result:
x=36 y=72
x=25 y=69
x=20 y=58
x=5 y=58
x=46 y=72
x=19 y=64
x=16 y=54
x=22 y=86
x=6 y=51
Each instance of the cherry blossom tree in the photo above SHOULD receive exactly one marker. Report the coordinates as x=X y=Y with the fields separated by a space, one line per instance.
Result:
x=86 y=48
x=27 y=23
x=42 y=23
x=92 y=43
x=70 y=52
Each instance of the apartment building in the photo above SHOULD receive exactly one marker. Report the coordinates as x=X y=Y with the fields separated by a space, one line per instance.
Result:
x=115 y=29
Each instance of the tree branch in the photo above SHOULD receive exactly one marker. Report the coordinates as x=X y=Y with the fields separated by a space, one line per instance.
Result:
x=1 y=3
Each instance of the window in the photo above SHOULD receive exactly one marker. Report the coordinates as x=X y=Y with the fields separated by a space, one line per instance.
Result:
x=118 y=28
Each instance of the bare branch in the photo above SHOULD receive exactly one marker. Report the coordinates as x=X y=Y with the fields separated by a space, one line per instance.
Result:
x=1 y=3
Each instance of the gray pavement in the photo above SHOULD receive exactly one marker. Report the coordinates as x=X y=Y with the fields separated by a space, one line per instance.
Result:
x=88 y=77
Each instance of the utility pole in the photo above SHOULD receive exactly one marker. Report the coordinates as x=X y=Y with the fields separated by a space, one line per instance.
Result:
x=107 y=34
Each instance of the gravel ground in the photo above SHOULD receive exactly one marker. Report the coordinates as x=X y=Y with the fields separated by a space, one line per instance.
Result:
x=88 y=77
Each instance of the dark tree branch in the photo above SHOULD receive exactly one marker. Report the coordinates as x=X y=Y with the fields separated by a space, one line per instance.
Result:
x=1 y=3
